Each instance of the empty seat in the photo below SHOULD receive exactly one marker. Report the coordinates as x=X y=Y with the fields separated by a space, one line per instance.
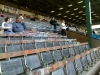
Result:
x=89 y=60
x=76 y=48
x=33 y=61
x=49 y=44
x=2 y=50
x=95 y=55
x=13 y=48
x=36 y=37
x=28 y=46
x=66 y=43
x=79 y=67
x=93 y=58
x=57 y=55
x=84 y=63
x=47 y=57
x=12 y=67
x=75 y=42
x=65 y=52
x=59 y=71
x=81 y=49
x=70 y=69
x=27 y=38
x=56 y=44
x=87 y=47
x=62 y=43
x=71 y=51
x=40 y=44
x=15 y=38
x=3 y=38
x=84 y=47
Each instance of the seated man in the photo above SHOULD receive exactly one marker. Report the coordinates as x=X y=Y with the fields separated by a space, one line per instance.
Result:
x=18 y=25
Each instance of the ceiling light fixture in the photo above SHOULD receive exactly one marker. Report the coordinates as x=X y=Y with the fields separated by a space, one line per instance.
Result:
x=61 y=8
x=80 y=11
x=80 y=18
x=52 y=11
x=94 y=14
x=84 y=14
x=83 y=19
x=70 y=5
x=72 y=14
x=76 y=16
x=67 y=11
x=80 y=2
x=70 y=18
x=84 y=6
x=59 y=14
x=65 y=16
x=76 y=9
x=74 y=19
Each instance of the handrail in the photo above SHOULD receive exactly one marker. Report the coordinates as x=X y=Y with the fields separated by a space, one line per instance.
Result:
x=32 y=41
x=32 y=51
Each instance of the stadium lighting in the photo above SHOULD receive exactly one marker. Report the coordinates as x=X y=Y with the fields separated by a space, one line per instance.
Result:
x=80 y=2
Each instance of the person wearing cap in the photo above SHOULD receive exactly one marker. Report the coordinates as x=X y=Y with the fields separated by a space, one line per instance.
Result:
x=19 y=25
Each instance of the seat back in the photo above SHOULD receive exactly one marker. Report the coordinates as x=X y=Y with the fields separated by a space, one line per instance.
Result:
x=76 y=48
x=57 y=55
x=56 y=44
x=65 y=52
x=39 y=43
x=49 y=44
x=29 y=46
x=78 y=66
x=59 y=71
x=93 y=58
x=84 y=62
x=62 y=43
x=13 y=48
x=89 y=60
x=12 y=67
x=71 y=51
x=70 y=69
x=47 y=57
x=33 y=61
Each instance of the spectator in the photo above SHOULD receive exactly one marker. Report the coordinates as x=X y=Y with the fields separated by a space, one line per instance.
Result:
x=19 y=25
x=1 y=14
x=7 y=26
x=63 y=28
x=53 y=23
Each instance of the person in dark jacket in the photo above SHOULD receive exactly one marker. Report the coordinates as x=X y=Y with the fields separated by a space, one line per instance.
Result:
x=19 y=25
x=53 y=23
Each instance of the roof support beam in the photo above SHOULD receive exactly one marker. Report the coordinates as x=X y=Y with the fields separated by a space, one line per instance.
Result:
x=89 y=22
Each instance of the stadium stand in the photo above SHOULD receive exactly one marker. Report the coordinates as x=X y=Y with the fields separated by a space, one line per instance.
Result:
x=45 y=53
x=39 y=51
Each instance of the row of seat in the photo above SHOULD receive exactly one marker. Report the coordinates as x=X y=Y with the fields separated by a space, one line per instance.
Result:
x=34 y=59
x=29 y=36
x=74 y=65
x=12 y=46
